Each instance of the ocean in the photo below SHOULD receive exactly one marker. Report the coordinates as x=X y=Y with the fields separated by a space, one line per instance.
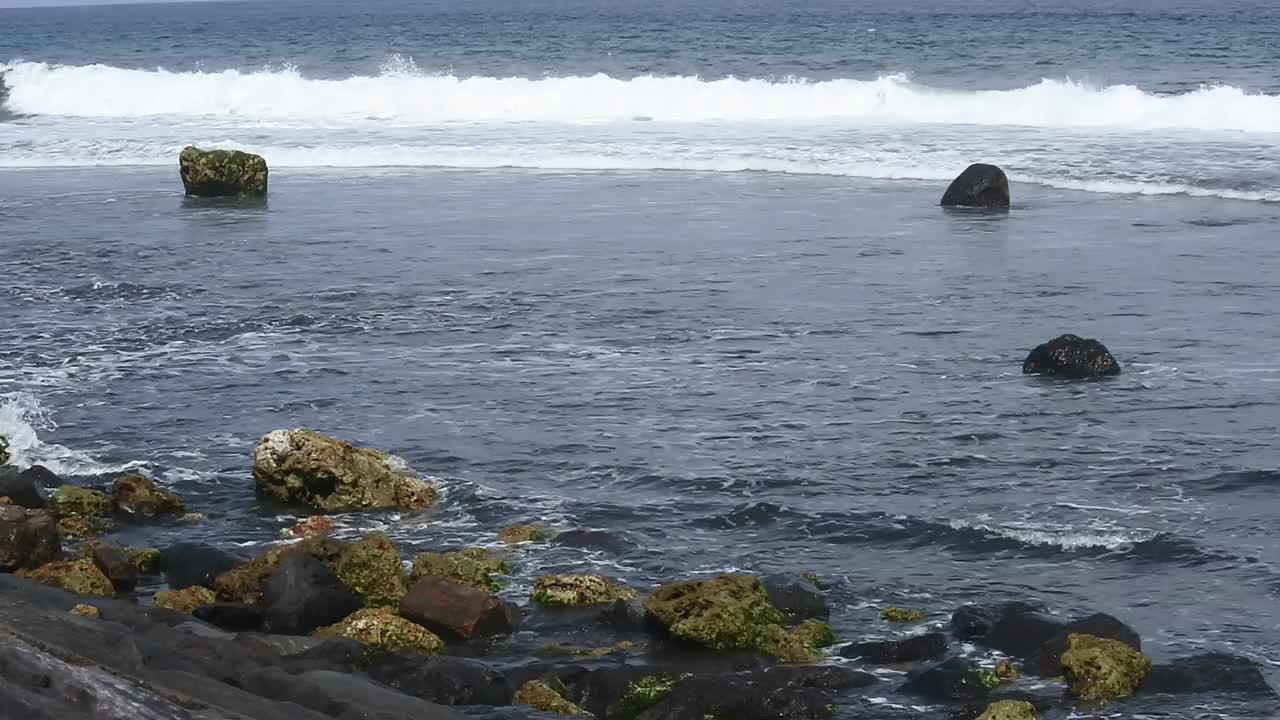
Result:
x=677 y=271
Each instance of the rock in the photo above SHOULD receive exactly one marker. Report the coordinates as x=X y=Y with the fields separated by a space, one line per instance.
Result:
x=1072 y=357
x=442 y=679
x=540 y=696
x=1047 y=661
x=145 y=560
x=571 y=590
x=382 y=628
x=598 y=540
x=473 y=566
x=244 y=583
x=730 y=612
x=1098 y=669
x=457 y=610
x=783 y=693
x=373 y=571
x=114 y=561
x=1021 y=633
x=86 y=611
x=185 y=564
x=42 y=476
x=622 y=616
x=303 y=594
x=4 y=444
x=74 y=527
x=522 y=533
x=232 y=617
x=138 y=495
x=814 y=634
x=360 y=699
x=980 y=186
x=916 y=648
x=69 y=501
x=21 y=490
x=185 y=600
x=301 y=467
x=1207 y=673
x=900 y=615
x=311 y=527
x=955 y=679
x=973 y=622
x=28 y=538
x=222 y=173
x=1009 y=710
x=78 y=576
x=798 y=597
x=644 y=694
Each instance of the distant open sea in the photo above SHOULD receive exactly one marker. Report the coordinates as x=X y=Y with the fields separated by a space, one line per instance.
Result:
x=676 y=270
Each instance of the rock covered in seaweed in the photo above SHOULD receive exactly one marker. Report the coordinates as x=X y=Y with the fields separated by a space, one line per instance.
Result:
x=382 y=628
x=371 y=568
x=956 y=679
x=222 y=173
x=71 y=501
x=28 y=538
x=139 y=495
x=571 y=590
x=244 y=582
x=1009 y=710
x=522 y=533
x=472 y=566
x=979 y=186
x=1071 y=356
x=1100 y=669
x=302 y=467
x=538 y=695
x=185 y=600
x=77 y=576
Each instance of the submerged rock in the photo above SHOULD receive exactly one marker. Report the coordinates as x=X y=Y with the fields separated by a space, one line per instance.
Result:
x=311 y=527
x=457 y=610
x=1021 y=631
x=797 y=596
x=955 y=679
x=979 y=186
x=1207 y=673
x=138 y=495
x=301 y=467
x=890 y=652
x=900 y=615
x=473 y=566
x=382 y=628
x=1098 y=669
x=1009 y=710
x=570 y=590
x=1047 y=661
x=372 y=570
x=541 y=696
x=1071 y=356
x=185 y=600
x=730 y=612
x=28 y=538
x=222 y=173
x=69 y=501
x=522 y=533
x=303 y=594
x=77 y=576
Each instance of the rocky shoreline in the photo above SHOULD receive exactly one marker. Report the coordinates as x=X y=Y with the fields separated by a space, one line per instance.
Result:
x=321 y=627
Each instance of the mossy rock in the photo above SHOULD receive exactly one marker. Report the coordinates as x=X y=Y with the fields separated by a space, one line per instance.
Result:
x=522 y=533
x=4 y=451
x=555 y=650
x=730 y=612
x=814 y=634
x=85 y=611
x=222 y=173
x=185 y=600
x=78 y=576
x=540 y=696
x=78 y=527
x=382 y=628
x=1009 y=710
x=244 y=583
x=474 y=566
x=1100 y=669
x=900 y=615
x=1006 y=671
x=642 y=695
x=145 y=560
x=572 y=590
x=69 y=501
x=373 y=571
x=139 y=495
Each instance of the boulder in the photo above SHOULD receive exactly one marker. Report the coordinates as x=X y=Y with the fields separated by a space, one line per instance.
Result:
x=1207 y=673
x=571 y=590
x=783 y=693
x=222 y=173
x=473 y=566
x=145 y=560
x=301 y=467
x=185 y=600
x=457 y=610
x=622 y=616
x=232 y=617
x=138 y=495
x=70 y=501
x=1047 y=661
x=1099 y=669
x=955 y=679
x=77 y=576
x=797 y=596
x=1071 y=356
x=442 y=679
x=541 y=696
x=979 y=186
x=371 y=568
x=1021 y=632
x=1009 y=710
x=814 y=634
x=21 y=490
x=28 y=538
x=244 y=583
x=916 y=648
x=115 y=562
x=186 y=563
x=382 y=628
x=973 y=622
x=42 y=476
x=302 y=594
x=730 y=612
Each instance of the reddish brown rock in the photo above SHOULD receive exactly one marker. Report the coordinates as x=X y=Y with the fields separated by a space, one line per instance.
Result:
x=28 y=538
x=457 y=610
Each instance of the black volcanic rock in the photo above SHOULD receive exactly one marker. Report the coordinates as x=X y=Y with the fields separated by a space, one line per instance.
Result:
x=1071 y=356
x=979 y=186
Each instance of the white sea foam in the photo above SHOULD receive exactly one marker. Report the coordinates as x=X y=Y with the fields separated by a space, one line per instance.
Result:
x=1067 y=538
x=21 y=416
x=401 y=95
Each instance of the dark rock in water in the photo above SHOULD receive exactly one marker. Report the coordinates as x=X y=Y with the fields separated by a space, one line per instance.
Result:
x=139 y=495
x=970 y=622
x=1207 y=673
x=797 y=597
x=1021 y=633
x=602 y=540
x=1047 y=661
x=888 y=652
x=303 y=594
x=42 y=476
x=1041 y=703
x=235 y=617
x=979 y=186
x=443 y=679
x=622 y=617
x=21 y=489
x=186 y=564
x=222 y=173
x=116 y=563
x=28 y=538
x=783 y=693
x=458 y=610
x=955 y=679
x=1071 y=356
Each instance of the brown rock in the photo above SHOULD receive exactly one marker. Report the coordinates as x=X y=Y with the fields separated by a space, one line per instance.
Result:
x=28 y=538
x=458 y=610
x=138 y=495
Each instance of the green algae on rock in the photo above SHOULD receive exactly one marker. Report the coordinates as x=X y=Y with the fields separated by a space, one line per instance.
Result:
x=78 y=576
x=1099 y=669
x=372 y=570
x=244 y=583
x=570 y=590
x=382 y=628
x=69 y=500
x=473 y=566
x=185 y=600
x=1009 y=710
x=556 y=650
x=644 y=694
x=814 y=634
x=1006 y=671
x=140 y=495
x=75 y=527
x=730 y=612
x=302 y=467
x=222 y=173
x=900 y=615
x=522 y=533
x=145 y=559
x=540 y=696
